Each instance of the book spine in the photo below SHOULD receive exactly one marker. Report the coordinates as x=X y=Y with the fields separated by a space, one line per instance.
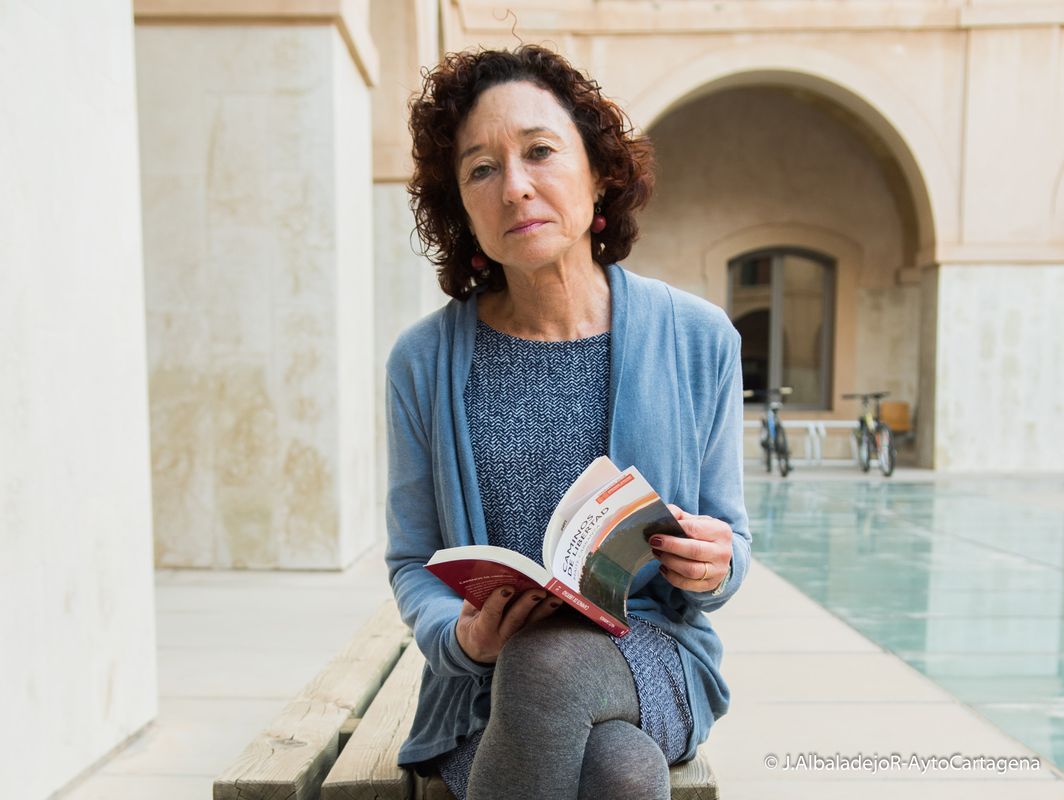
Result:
x=587 y=608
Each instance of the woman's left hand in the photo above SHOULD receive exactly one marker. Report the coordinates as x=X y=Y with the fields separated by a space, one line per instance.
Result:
x=698 y=563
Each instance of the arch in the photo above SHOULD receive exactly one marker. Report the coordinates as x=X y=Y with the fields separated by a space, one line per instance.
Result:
x=886 y=111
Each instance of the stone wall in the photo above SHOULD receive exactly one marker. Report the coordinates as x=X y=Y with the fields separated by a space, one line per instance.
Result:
x=77 y=659
x=259 y=276
x=1000 y=368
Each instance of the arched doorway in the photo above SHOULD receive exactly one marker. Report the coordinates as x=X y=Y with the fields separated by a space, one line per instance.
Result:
x=764 y=172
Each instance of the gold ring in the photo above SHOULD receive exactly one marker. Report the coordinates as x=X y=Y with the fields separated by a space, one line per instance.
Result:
x=705 y=570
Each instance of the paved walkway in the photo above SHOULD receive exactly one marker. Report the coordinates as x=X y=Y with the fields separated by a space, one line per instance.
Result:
x=234 y=646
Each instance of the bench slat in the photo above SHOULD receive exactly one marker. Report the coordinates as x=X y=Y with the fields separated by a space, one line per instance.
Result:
x=432 y=788
x=292 y=756
x=694 y=780
x=280 y=763
x=367 y=768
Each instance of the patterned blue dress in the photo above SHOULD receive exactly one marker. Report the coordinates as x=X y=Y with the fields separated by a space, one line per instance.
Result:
x=538 y=415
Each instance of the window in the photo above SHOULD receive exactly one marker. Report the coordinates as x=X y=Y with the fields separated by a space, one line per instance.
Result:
x=781 y=301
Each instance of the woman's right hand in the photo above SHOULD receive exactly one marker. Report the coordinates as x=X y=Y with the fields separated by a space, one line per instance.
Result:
x=482 y=633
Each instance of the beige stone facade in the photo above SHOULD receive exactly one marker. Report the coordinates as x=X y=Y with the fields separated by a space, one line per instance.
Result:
x=918 y=147
x=257 y=191
x=898 y=144
x=906 y=155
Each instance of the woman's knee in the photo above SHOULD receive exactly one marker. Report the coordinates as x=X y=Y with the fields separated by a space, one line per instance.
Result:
x=621 y=760
x=560 y=657
x=554 y=645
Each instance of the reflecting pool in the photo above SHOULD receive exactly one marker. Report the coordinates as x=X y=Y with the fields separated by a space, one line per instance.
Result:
x=961 y=578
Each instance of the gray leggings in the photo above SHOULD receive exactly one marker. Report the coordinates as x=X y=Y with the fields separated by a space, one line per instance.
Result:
x=564 y=721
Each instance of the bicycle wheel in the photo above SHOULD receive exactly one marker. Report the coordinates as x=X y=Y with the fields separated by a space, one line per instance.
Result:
x=885 y=446
x=783 y=453
x=864 y=448
x=766 y=446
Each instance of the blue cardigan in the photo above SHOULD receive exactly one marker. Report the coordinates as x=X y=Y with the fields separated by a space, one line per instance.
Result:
x=675 y=413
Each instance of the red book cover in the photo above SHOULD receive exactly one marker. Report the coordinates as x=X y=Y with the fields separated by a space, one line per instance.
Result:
x=475 y=579
x=587 y=608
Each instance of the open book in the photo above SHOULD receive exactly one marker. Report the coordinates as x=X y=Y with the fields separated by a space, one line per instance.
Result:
x=596 y=541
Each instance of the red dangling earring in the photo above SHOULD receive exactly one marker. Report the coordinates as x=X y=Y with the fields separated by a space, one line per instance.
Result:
x=479 y=260
x=598 y=222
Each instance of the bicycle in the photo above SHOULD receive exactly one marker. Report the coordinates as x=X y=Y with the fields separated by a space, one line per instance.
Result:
x=875 y=439
x=773 y=437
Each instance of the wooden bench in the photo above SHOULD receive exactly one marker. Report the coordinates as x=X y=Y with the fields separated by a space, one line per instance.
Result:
x=340 y=739
x=291 y=758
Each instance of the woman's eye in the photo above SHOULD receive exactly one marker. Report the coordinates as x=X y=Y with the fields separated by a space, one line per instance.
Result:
x=479 y=171
x=539 y=151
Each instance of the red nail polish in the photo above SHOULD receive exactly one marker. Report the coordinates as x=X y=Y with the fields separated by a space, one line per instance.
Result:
x=655 y=541
x=506 y=593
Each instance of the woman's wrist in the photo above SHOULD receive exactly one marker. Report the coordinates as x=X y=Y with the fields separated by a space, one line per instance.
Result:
x=723 y=584
x=458 y=640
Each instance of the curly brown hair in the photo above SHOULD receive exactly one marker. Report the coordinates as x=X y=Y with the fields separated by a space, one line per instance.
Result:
x=623 y=160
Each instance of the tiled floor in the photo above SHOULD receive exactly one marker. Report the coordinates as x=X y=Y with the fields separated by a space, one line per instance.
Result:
x=234 y=646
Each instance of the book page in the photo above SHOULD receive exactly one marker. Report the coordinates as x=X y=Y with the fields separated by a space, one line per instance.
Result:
x=598 y=473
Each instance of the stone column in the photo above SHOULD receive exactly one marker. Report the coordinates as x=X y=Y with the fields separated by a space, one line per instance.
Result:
x=999 y=359
x=999 y=367
x=405 y=286
x=77 y=630
x=256 y=179
x=925 y=403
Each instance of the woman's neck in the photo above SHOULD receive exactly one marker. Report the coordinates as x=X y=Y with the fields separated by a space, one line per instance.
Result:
x=550 y=305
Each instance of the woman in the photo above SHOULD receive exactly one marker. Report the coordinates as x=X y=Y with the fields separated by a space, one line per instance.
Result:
x=550 y=354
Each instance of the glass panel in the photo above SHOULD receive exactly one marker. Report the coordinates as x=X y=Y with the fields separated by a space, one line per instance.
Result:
x=751 y=302
x=803 y=319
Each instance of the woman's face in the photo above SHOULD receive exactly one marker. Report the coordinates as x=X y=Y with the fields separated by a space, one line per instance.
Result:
x=525 y=180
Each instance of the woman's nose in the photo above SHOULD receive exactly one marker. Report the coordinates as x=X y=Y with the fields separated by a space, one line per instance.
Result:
x=517 y=183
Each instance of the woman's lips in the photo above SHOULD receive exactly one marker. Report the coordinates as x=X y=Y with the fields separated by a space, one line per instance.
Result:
x=525 y=227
